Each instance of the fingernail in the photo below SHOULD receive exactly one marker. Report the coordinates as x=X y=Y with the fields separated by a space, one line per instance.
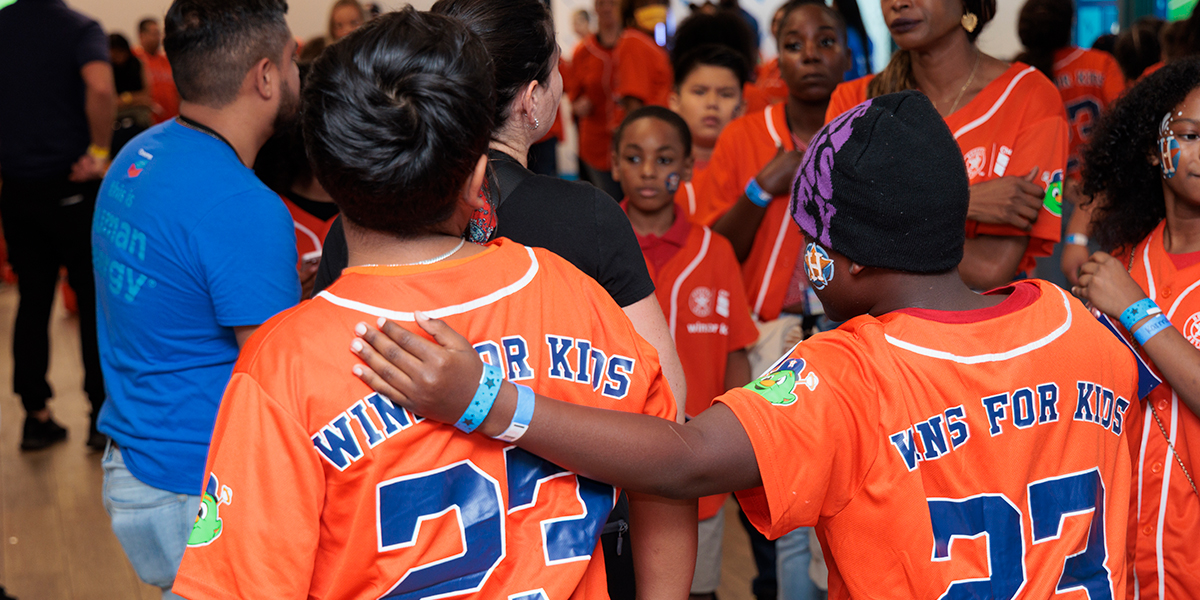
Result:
x=361 y=329
x=381 y=322
x=356 y=345
x=420 y=315
x=358 y=371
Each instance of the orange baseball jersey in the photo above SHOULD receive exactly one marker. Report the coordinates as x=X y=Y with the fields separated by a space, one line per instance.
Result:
x=1162 y=537
x=770 y=81
x=701 y=296
x=592 y=77
x=162 y=83
x=320 y=488
x=1014 y=124
x=642 y=70
x=974 y=454
x=746 y=146
x=310 y=230
x=1088 y=80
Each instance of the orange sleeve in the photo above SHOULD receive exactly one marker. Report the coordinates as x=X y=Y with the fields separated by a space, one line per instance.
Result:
x=270 y=518
x=635 y=72
x=813 y=446
x=572 y=80
x=846 y=96
x=1042 y=143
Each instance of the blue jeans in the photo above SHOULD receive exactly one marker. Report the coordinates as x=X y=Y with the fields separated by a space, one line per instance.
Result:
x=793 y=555
x=152 y=524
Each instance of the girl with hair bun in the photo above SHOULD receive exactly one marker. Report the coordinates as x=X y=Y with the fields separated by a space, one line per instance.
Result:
x=1142 y=168
x=1008 y=120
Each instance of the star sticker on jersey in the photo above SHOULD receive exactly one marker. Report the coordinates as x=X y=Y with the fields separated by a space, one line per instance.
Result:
x=779 y=386
x=818 y=265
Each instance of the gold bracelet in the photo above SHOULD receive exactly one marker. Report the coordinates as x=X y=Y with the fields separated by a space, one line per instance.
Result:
x=98 y=153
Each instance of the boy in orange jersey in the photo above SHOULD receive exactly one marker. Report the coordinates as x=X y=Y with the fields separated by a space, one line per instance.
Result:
x=708 y=95
x=641 y=68
x=945 y=443
x=318 y=487
x=697 y=283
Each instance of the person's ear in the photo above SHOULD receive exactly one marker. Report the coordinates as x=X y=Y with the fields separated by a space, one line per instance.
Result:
x=688 y=163
x=529 y=102
x=673 y=101
x=471 y=195
x=855 y=268
x=616 y=173
x=266 y=78
x=739 y=109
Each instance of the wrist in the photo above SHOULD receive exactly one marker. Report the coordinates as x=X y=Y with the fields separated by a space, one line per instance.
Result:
x=1152 y=327
x=481 y=404
x=1076 y=239
x=1134 y=313
x=98 y=153
x=756 y=194
x=501 y=416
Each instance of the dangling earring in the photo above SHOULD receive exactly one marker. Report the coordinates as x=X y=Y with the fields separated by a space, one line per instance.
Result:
x=970 y=21
x=535 y=123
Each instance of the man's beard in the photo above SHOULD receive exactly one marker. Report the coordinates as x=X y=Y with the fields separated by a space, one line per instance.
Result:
x=289 y=110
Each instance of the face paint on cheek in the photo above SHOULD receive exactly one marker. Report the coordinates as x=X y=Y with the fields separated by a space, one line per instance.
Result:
x=818 y=266
x=673 y=182
x=1168 y=148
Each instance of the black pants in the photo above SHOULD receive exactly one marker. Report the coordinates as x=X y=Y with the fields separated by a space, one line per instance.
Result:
x=48 y=224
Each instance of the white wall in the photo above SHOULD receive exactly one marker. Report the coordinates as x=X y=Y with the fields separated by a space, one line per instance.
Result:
x=307 y=18
x=1000 y=39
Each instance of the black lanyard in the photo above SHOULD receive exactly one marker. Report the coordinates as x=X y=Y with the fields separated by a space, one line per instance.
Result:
x=205 y=129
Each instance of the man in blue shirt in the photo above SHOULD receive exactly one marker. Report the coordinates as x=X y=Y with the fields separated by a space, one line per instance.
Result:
x=57 y=105
x=192 y=253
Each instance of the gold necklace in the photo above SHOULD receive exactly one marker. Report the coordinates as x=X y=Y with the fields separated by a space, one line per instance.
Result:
x=428 y=261
x=971 y=79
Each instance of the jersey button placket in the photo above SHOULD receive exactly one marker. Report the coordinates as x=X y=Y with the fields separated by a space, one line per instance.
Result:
x=1148 y=530
x=1162 y=405
x=1166 y=292
x=1156 y=467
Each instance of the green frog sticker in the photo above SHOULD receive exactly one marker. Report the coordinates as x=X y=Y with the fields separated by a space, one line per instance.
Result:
x=207 y=527
x=779 y=386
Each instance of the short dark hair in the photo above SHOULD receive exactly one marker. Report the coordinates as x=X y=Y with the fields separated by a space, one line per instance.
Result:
x=711 y=55
x=211 y=44
x=662 y=114
x=725 y=28
x=144 y=23
x=519 y=37
x=396 y=116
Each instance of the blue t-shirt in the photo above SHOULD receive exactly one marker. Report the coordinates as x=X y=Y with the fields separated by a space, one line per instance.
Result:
x=43 y=126
x=187 y=244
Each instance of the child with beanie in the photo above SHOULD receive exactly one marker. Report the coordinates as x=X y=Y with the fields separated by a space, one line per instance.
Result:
x=932 y=415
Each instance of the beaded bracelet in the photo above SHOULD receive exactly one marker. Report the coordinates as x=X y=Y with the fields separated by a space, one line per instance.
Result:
x=1137 y=311
x=485 y=397
x=756 y=194
x=1151 y=328
x=526 y=400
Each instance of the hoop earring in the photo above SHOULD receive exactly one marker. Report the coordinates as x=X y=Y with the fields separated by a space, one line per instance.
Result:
x=970 y=22
x=535 y=123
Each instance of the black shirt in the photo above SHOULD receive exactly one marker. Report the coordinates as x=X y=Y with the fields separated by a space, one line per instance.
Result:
x=574 y=220
x=43 y=126
x=128 y=76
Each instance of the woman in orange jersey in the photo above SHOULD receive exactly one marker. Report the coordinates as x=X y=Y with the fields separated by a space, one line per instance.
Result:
x=1143 y=169
x=1088 y=81
x=319 y=488
x=1008 y=120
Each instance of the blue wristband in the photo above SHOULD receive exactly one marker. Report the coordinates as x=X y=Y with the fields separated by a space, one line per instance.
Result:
x=1150 y=329
x=1137 y=311
x=526 y=400
x=485 y=397
x=757 y=195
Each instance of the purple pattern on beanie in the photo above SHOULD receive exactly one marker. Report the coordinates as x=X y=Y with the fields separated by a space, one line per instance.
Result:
x=814 y=179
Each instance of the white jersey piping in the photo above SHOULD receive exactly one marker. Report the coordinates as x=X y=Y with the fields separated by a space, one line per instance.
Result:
x=993 y=357
x=684 y=275
x=995 y=107
x=446 y=311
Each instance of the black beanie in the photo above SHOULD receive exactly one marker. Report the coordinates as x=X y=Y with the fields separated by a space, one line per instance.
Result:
x=884 y=184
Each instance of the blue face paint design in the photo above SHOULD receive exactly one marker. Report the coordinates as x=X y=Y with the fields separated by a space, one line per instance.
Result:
x=818 y=266
x=1168 y=148
x=673 y=182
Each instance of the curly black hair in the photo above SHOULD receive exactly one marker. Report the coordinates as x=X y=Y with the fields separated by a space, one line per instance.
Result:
x=1117 y=172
